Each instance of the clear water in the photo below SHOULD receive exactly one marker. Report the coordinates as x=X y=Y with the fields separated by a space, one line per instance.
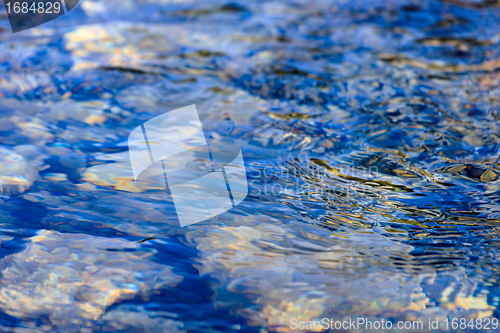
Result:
x=370 y=130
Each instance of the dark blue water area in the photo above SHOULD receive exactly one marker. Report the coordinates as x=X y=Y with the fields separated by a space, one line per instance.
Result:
x=370 y=135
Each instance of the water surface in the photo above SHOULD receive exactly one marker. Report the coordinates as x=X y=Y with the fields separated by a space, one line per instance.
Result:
x=370 y=130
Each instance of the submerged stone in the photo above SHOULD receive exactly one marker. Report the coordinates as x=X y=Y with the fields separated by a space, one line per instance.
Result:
x=16 y=174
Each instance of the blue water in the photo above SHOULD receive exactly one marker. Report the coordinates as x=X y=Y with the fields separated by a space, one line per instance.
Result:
x=370 y=132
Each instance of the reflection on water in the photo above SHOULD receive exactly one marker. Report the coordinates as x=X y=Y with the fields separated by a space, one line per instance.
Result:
x=370 y=130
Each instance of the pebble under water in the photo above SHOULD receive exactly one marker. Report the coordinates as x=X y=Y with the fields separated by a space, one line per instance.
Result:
x=371 y=136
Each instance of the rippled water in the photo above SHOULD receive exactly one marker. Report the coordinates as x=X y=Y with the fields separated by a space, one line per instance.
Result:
x=370 y=130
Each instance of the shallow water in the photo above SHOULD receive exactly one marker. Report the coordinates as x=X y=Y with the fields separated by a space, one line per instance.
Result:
x=370 y=131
